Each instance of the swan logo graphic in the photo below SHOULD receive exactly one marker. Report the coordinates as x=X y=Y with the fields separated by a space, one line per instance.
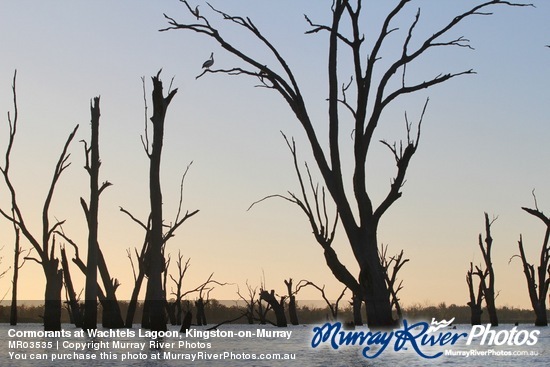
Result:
x=436 y=325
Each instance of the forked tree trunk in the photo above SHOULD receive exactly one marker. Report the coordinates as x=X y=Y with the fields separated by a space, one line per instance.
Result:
x=475 y=302
x=538 y=281
x=292 y=313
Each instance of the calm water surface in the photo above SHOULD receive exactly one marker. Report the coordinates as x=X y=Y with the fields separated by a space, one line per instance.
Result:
x=296 y=350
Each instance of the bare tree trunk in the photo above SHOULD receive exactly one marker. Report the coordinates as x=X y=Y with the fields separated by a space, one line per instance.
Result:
x=186 y=324
x=133 y=301
x=138 y=278
x=73 y=302
x=372 y=281
x=155 y=259
x=52 y=296
x=112 y=316
x=171 y=311
x=538 y=290
x=182 y=269
x=292 y=313
x=201 y=316
x=146 y=314
x=276 y=306
x=16 y=267
x=488 y=288
x=475 y=302
x=91 y=212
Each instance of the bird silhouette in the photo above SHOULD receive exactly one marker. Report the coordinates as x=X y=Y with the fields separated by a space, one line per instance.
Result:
x=196 y=12
x=208 y=63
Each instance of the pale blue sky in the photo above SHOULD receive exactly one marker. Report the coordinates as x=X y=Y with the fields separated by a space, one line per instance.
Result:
x=484 y=145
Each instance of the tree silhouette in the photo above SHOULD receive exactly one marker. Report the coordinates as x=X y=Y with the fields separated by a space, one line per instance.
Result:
x=151 y=261
x=155 y=259
x=44 y=244
x=73 y=306
x=17 y=265
x=91 y=211
x=488 y=287
x=537 y=281
x=332 y=306
x=397 y=261
x=276 y=306
x=178 y=282
x=475 y=299
x=376 y=86
x=292 y=312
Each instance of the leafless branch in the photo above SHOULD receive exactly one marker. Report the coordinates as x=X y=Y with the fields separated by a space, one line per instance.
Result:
x=33 y=259
x=134 y=218
x=145 y=136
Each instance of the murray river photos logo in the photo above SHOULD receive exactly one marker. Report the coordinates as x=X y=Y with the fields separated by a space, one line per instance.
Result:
x=419 y=337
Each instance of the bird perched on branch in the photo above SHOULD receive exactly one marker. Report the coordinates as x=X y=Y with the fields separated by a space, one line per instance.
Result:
x=196 y=12
x=208 y=63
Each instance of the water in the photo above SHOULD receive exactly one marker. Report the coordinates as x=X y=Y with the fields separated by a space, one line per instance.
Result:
x=240 y=349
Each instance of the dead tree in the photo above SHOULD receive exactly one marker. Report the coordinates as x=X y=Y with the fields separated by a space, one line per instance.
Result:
x=397 y=262
x=169 y=309
x=262 y=311
x=18 y=251
x=141 y=256
x=111 y=316
x=377 y=85
x=153 y=257
x=475 y=301
x=488 y=280
x=42 y=244
x=91 y=211
x=314 y=206
x=203 y=299
x=140 y=276
x=187 y=320
x=333 y=307
x=276 y=306
x=538 y=281
x=73 y=306
x=250 y=302
x=182 y=269
x=292 y=313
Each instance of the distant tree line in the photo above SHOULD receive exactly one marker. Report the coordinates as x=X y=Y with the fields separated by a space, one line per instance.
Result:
x=218 y=312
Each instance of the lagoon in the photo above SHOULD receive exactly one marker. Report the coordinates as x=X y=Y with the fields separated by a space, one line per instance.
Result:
x=255 y=345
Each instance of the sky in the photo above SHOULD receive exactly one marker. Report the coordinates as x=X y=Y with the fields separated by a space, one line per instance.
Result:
x=484 y=143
